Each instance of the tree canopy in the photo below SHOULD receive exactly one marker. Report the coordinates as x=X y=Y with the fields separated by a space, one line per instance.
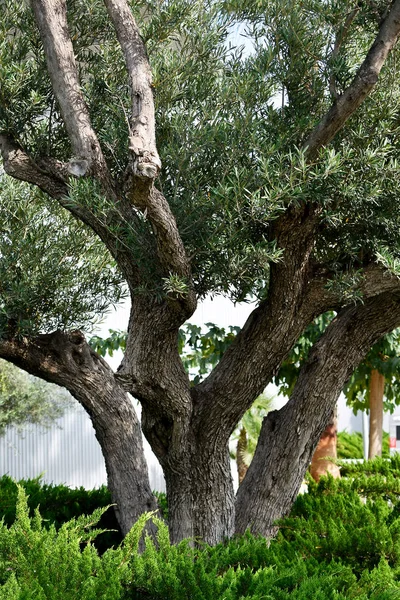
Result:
x=54 y=273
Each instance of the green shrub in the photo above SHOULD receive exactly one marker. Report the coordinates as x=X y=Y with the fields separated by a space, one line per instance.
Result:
x=244 y=568
x=341 y=541
x=58 y=504
x=355 y=520
x=350 y=445
x=40 y=563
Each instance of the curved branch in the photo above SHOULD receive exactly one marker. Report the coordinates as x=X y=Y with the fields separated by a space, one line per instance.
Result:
x=142 y=139
x=362 y=84
x=146 y=163
x=296 y=297
x=52 y=176
x=51 y=19
x=18 y=164
x=67 y=360
x=299 y=424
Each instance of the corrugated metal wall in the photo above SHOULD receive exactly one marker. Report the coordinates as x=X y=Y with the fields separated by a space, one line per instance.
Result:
x=67 y=453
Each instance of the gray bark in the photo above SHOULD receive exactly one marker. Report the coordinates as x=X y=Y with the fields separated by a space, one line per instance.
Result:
x=68 y=361
x=189 y=429
x=196 y=469
x=142 y=138
x=289 y=437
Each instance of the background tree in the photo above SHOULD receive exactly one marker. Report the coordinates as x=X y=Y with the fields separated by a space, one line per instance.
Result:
x=373 y=386
x=290 y=203
x=24 y=399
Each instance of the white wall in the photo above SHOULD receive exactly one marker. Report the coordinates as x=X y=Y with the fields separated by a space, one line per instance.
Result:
x=66 y=453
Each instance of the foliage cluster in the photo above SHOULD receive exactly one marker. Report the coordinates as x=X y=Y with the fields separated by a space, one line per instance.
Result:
x=350 y=445
x=354 y=519
x=59 y=504
x=42 y=563
x=54 y=273
x=230 y=127
x=341 y=541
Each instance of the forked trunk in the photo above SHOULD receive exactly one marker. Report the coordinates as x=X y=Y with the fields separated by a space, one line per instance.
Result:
x=67 y=360
x=288 y=437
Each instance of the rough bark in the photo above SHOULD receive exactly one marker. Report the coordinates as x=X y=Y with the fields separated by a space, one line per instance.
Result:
x=197 y=471
x=142 y=138
x=376 y=390
x=51 y=19
x=68 y=361
x=271 y=484
x=325 y=453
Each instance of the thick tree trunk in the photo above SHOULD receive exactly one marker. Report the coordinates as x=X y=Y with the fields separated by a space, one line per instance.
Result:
x=326 y=451
x=376 y=391
x=67 y=360
x=288 y=437
x=189 y=431
x=201 y=501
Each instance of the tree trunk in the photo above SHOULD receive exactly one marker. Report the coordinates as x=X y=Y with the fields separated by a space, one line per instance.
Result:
x=194 y=457
x=288 y=437
x=201 y=502
x=376 y=391
x=67 y=360
x=326 y=451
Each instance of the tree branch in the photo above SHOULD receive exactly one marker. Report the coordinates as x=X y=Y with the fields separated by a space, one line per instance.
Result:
x=362 y=84
x=18 y=164
x=142 y=139
x=51 y=19
x=300 y=423
x=296 y=297
x=67 y=360
x=294 y=300
x=146 y=163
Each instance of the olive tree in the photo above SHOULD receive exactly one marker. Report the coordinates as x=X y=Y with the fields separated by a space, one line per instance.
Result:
x=267 y=172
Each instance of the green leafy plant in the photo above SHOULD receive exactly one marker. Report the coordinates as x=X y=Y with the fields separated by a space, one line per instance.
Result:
x=340 y=542
x=58 y=504
x=350 y=445
x=42 y=563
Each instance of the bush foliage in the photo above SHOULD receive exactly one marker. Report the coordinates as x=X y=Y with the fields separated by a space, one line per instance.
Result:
x=341 y=541
x=350 y=445
x=58 y=504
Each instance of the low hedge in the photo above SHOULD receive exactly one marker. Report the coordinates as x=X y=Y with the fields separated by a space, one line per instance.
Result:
x=341 y=541
x=58 y=504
